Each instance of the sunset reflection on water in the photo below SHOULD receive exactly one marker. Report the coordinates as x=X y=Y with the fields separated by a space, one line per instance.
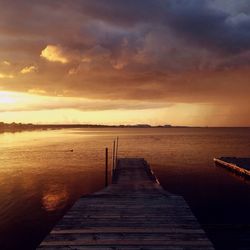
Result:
x=56 y=197
x=41 y=177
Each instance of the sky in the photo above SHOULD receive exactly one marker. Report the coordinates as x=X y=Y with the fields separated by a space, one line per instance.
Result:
x=179 y=62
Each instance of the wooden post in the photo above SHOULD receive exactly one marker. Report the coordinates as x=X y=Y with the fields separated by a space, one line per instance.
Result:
x=117 y=139
x=113 y=158
x=106 y=167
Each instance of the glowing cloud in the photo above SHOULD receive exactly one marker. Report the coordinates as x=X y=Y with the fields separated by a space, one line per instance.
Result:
x=35 y=101
x=73 y=71
x=37 y=91
x=7 y=98
x=3 y=75
x=116 y=58
x=7 y=63
x=28 y=69
x=54 y=53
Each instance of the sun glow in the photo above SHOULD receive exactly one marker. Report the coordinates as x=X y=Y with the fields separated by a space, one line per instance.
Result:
x=7 y=97
x=35 y=108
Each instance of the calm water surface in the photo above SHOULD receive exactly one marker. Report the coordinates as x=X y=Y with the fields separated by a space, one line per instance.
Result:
x=40 y=177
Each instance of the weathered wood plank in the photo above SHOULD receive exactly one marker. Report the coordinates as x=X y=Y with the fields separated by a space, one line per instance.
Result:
x=197 y=242
x=135 y=212
x=126 y=247
x=235 y=165
x=127 y=230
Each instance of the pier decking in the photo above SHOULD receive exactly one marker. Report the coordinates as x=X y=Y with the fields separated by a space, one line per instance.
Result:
x=134 y=212
x=240 y=166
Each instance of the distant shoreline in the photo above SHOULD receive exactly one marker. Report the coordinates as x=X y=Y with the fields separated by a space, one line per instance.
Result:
x=19 y=127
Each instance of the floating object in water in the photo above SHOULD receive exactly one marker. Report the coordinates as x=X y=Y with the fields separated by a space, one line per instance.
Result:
x=240 y=166
x=71 y=150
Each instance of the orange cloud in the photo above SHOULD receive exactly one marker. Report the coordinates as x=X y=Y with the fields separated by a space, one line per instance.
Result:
x=7 y=63
x=3 y=75
x=28 y=69
x=126 y=52
x=54 y=53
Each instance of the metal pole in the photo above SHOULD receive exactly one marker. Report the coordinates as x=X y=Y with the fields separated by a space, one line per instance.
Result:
x=106 y=167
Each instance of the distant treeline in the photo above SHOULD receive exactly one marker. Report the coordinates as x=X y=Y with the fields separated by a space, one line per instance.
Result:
x=16 y=127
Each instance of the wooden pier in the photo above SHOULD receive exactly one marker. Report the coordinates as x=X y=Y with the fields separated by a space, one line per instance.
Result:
x=240 y=166
x=134 y=212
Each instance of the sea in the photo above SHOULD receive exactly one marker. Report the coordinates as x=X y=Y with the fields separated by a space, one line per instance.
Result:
x=42 y=174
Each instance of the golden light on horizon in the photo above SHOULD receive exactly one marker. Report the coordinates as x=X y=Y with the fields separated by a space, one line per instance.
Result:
x=7 y=97
x=132 y=64
x=28 y=107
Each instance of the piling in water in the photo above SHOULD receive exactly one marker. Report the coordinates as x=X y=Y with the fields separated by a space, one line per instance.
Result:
x=106 y=167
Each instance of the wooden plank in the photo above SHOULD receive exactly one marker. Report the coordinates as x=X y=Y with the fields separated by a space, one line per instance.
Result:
x=134 y=212
x=233 y=167
x=126 y=230
x=126 y=248
x=170 y=243
x=97 y=237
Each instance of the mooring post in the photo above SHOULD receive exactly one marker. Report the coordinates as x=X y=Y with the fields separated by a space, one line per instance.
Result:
x=113 y=158
x=106 y=167
x=117 y=139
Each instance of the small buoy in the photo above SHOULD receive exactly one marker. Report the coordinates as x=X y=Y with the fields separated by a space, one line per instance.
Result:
x=71 y=150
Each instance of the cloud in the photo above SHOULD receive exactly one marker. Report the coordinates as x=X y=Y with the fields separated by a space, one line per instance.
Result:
x=54 y=53
x=144 y=50
x=28 y=69
x=34 y=102
x=7 y=63
x=37 y=91
x=3 y=75
x=210 y=27
x=205 y=23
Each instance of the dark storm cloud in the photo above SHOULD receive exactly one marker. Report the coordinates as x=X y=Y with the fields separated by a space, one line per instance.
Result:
x=210 y=27
x=133 y=49
x=197 y=20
